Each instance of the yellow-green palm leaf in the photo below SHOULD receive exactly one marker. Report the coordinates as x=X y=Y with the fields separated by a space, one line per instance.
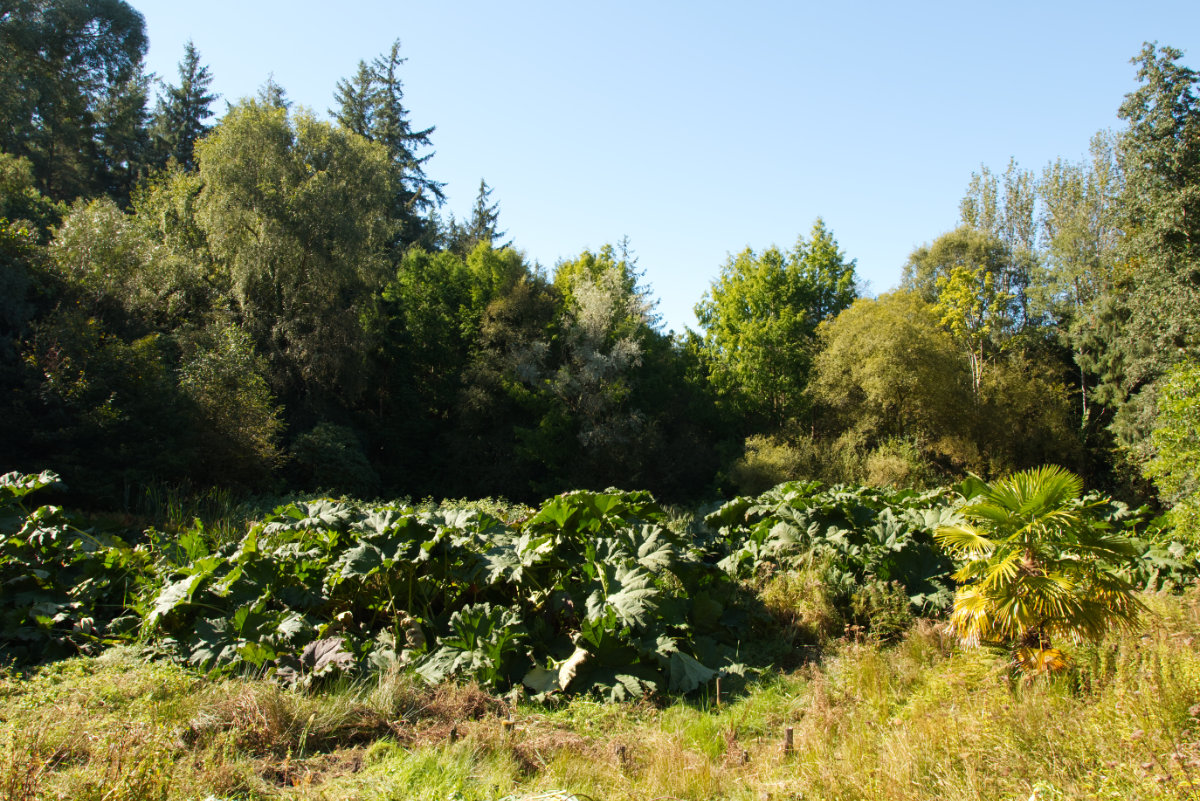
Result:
x=1036 y=565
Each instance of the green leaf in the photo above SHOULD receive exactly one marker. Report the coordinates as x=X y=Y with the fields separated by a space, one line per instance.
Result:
x=360 y=562
x=628 y=591
x=687 y=674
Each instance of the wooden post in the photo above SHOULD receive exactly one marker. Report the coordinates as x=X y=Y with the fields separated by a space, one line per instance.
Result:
x=788 y=742
x=718 y=692
x=622 y=757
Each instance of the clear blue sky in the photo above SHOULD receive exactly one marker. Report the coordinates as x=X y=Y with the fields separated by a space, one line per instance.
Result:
x=700 y=128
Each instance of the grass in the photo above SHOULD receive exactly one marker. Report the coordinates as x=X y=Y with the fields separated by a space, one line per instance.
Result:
x=918 y=719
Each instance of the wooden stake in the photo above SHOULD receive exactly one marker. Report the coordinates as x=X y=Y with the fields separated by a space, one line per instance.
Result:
x=788 y=746
x=718 y=692
x=622 y=757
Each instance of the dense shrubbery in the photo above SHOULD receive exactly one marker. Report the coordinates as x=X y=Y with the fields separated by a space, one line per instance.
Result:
x=591 y=592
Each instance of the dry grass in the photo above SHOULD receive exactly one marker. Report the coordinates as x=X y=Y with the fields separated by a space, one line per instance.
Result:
x=917 y=720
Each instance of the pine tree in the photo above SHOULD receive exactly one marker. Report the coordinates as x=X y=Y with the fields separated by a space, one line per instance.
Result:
x=180 y=118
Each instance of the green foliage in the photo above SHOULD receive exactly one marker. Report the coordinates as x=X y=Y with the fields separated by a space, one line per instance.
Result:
x=180 y=119
x=1158 y=294
x=108 y=411
x=768 y=461
x=291 y=212
x=977 y=288
x=760 y=318
x=482 y=227
x=239 y=424
x=1041 y=562
x=330 y=457
x=66 y=68
x=898 y=463
x=65 y=587
x=1025 y=418
x=593 y=578
x=1080 y=222
x=1175 y=468
x=371 y=104
x=590 y=432
x=18 y=253
x=860 y=537
x=100 y=252
x=500 y=395
x=19 y=198
x=887 y=369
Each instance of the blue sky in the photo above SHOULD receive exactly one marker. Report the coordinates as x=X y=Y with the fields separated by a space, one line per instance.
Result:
x=697 y=129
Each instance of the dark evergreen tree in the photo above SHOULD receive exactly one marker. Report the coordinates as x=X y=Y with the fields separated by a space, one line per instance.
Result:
x=69 y=88
x=391 y=127
x=180 y=118
x=483 y=225
x=272 y=95
x=355 y=98
x=1158 y=296
x=372 y=104
x=123 y=139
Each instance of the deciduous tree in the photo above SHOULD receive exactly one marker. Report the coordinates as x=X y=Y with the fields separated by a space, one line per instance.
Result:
x=294 y=210
x=887 y=369
x=760 y=318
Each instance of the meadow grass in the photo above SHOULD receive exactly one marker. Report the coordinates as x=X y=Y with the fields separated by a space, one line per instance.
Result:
x=916 y=719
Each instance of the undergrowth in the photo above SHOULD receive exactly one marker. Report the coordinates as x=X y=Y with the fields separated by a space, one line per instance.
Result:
x=918 y=718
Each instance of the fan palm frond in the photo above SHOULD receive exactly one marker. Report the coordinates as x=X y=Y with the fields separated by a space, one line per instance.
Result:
x=1037 y=566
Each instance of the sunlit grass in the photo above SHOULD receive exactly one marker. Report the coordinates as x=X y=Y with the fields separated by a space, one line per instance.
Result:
x=916 y=720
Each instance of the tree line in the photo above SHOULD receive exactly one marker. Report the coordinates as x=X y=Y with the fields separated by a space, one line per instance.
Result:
x=269 y=300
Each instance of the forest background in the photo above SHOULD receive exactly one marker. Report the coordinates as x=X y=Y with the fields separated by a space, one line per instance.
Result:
x=270 y=301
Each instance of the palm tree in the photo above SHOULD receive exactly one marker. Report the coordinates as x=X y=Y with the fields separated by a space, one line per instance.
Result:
x=1040 y=566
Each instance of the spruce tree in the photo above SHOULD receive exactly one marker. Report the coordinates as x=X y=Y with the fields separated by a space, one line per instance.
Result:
x=1158 y=292
x=390 y=126
x=272 y=95
x=355 y=99
x=182 y=112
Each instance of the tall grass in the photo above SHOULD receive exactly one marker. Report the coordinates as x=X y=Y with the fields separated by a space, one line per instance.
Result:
x=917 y=719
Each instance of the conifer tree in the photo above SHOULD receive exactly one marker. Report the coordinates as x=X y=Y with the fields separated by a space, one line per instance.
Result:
x=1157 y=296
x=272 y=95
x=355 y=98
x=372 y=105
x=391 y=127
x=483 y=225
x=61 y=65
x=180 y=119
